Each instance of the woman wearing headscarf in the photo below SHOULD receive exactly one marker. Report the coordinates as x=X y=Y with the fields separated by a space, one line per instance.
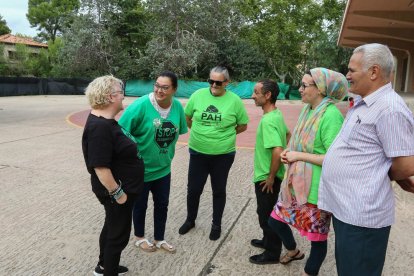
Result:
x=317 y=127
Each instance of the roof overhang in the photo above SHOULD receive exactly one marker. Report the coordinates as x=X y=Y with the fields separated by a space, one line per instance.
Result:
x=389 y=22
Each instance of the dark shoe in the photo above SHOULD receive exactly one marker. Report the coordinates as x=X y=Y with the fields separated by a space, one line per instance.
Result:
x=263 y=258
x=99 y=270
x=257 y=243
x=187 y=226
x=215 y=232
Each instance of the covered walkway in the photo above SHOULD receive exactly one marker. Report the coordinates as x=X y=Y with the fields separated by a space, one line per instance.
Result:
x=386 y=22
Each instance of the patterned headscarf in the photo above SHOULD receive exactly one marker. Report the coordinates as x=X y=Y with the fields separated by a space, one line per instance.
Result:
x=330 y=83
x=298 y=177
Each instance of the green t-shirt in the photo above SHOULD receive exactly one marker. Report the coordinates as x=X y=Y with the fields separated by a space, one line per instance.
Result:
x=329 y=126
x=271 y=133
x=214 y=121
x=156 y=137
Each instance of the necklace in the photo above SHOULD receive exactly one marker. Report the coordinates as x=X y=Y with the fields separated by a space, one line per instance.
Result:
x=163 y=112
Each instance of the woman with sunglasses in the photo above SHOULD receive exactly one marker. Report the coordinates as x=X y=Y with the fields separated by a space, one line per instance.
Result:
x=155 y=121
x=215 y=115
x=317 y=127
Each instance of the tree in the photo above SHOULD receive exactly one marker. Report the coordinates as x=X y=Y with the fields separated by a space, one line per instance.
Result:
x=323 y=51
x=51 y=16
x=84 y=52
x=253 y=38
x=278 y=28
x=294 y=35
x=244 y=60
x=183 y=59
x=39 y=65
x=4 y=29
x=127 y=22
x=107 y=36
x=20 y=58
x=185 y=34
x=3 y=64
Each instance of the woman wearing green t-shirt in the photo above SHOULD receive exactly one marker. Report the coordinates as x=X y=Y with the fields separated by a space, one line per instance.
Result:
x=317 y=127
x=215 y=115
x=155 y=120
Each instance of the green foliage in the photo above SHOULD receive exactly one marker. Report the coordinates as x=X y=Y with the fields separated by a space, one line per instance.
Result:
x=83 y=52
x=18 y=65
x=51 y=16
x=184 y=56
x=244 y=60
x=27 y=61
x=279 y=28
x=134 y=39
x=128 y=23
x=186 y=33
x=54 y=49
x=4 y=29
x=108 y=37
x=24 y=36
x=3 y=64
x=324 y=52
x=39 y=65
x=212 y=19
x=294 y=35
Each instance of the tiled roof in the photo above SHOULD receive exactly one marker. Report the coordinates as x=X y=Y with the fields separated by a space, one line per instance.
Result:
x=12 y=39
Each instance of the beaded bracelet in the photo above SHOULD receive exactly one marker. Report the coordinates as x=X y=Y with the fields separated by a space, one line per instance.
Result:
x=115 y=191
x=118 y=194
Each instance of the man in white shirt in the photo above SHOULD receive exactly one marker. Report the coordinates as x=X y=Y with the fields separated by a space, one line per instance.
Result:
x=376 y=143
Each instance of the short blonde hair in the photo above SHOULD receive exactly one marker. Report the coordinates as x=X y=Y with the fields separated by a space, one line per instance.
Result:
x=98 y=90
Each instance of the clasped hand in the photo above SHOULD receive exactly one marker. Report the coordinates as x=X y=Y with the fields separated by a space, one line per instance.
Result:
x=288 y=156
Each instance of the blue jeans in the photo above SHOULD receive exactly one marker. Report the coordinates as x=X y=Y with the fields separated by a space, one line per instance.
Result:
x=202 y=165
x=160 y=189
x=359 y=251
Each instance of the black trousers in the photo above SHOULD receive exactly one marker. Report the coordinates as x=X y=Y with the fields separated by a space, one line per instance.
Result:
x=115 y=233
x=265 y=203
x=202 y=165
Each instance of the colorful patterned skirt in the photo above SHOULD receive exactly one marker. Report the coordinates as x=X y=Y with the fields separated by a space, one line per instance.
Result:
x=311 y=222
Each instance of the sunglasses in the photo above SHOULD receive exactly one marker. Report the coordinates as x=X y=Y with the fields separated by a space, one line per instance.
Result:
x=218 y=83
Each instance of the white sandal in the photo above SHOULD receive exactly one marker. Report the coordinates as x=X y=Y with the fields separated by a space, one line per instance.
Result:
x=150 y=246
x=166 y=246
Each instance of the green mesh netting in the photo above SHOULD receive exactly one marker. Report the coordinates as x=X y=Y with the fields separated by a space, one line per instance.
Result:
x=185 y=88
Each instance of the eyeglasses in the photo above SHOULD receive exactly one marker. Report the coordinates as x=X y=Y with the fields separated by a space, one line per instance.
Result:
x=122 y=92
x=218 y=83
x=304 y=85
x=162 y=88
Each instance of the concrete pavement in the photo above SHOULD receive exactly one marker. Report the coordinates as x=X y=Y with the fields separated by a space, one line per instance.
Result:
x=50 y=219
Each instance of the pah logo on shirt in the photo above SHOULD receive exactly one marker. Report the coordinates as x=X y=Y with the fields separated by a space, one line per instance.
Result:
x=164 y=135
x=211 y=116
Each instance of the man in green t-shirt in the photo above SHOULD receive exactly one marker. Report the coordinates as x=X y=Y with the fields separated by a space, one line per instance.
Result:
x=271 y=139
